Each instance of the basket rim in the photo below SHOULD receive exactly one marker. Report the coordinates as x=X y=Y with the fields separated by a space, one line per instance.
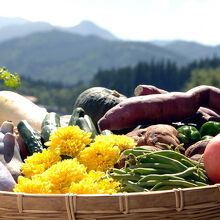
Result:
x=180 y=201
x=113 y=194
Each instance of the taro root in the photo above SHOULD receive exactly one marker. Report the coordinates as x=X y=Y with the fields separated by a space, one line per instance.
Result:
x=197 y=148
x=197 y=157
x=160 y=135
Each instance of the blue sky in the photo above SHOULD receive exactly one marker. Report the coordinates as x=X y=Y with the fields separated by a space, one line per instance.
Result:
x=143 y=20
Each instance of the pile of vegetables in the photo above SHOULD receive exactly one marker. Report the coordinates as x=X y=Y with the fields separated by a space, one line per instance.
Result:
x=149 y=170
x=155 y=140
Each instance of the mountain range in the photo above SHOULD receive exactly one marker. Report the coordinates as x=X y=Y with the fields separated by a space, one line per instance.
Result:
x=72 y=55
x=17 y=27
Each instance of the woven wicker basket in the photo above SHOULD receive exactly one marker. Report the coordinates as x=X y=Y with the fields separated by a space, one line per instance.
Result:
x=191 y=203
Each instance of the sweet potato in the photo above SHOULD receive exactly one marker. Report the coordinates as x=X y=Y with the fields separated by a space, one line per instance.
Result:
x=148 y=90
x=160 y=108
x=140 y=90
x=7 y=182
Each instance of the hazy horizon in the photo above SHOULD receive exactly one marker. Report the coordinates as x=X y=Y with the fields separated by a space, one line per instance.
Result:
x=140 y=20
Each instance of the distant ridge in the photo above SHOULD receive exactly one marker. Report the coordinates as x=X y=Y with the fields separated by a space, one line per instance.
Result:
x=89 y=28
x=71 y=58
x=11 y=28
x=5 y=21
x=73 y=55
x=192 y=49
x=24 y=29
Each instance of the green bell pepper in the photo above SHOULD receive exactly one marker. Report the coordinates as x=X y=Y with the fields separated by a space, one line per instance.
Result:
x=188 y=135
x=211 y=128
x=206 y=137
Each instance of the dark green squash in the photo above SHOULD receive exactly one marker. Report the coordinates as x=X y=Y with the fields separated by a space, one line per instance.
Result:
x=96 y=101
x=30 y=136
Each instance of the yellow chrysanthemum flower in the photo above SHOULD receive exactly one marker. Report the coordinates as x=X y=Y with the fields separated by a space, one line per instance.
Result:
x=123 y=142
x=62 y=174
x=69 y=140
x=92 y=184
x=39 y=162
x=99 y=156
x=35 y=186
x=55 y=180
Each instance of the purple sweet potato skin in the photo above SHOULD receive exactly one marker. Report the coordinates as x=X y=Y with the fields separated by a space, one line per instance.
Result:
x=7 y=182
x=148 y=90
x=207 y=113
x=159 y=108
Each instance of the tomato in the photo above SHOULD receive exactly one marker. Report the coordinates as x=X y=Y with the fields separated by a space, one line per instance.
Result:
x=212 y=159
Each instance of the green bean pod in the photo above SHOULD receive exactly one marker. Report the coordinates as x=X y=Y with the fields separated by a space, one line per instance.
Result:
x=156 y=166
x=127 y=176
x=134 y=186
x=159 y=177
x=167 y=160
x=146 y=171
x=182 y=183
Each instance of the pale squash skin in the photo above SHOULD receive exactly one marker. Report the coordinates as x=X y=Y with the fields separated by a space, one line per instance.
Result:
x=15 y=107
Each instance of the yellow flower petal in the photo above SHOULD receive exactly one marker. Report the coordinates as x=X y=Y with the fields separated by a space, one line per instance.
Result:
x=69 y=140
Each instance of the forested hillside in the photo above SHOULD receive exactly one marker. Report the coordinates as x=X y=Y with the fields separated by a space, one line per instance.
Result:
x=58 y=56
x=164 y=75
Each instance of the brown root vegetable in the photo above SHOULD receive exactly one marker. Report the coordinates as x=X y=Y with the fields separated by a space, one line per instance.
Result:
x=197 y=148
x=206 y=114
x=148 y=90
x=197 y=157
x=160 y=108
x=159 y=136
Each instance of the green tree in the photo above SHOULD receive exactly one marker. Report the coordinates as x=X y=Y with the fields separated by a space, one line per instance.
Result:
x=208 y=76
x=10 y=80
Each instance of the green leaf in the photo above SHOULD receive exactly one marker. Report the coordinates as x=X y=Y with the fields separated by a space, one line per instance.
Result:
x=10 y=80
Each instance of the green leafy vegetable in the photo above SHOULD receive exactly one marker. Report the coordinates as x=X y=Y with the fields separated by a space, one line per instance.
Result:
x=11 y=80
